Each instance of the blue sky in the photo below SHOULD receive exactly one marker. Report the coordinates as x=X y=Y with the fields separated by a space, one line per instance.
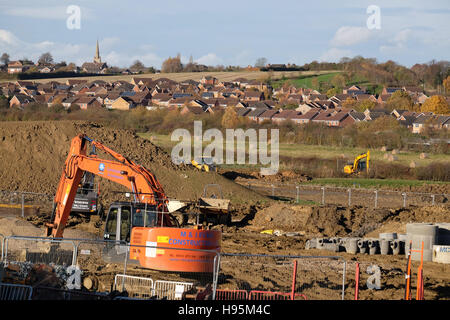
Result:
x=226 y=32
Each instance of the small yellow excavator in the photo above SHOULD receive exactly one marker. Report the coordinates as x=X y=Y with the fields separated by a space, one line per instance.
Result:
x=360 y=164
x=206 y=164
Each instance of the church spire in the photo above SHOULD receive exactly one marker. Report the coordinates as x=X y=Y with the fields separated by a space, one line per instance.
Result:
x=97 y=58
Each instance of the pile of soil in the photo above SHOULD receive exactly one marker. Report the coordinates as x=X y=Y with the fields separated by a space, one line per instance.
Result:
x=33 y=155
x=243 y=175
x=332 y=220
x=13 y=226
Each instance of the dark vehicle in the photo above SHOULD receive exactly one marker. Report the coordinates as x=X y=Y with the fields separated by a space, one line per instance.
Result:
x=86 y=199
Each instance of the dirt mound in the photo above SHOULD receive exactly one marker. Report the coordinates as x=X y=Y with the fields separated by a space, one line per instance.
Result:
x=397 y=221
x=244 y=175
x=332 y=220
x=12 y=226
x=33 y=154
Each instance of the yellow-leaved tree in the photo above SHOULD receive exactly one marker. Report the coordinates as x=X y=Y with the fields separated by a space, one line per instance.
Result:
x=446 y=84
x=230 y=118
x=436 y=104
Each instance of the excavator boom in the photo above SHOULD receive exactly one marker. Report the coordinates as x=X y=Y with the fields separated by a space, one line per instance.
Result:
x=140 y=181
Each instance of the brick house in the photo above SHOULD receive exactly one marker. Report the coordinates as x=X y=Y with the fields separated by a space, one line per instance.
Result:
x=253 y=96
x=86 y=102
x=20 y=101
x=15 y=67
x=123 y=103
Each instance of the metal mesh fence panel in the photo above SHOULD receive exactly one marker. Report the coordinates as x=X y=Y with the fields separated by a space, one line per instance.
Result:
x=347 y=196
x=17 y=203
x=15 y=292
x=2 y=240
x=39 y=250
x=391 y=279
x=254 y=272
x=321 y=278
x=171 y=290
x=174 y=285
x=264 y=277
x=137 y=287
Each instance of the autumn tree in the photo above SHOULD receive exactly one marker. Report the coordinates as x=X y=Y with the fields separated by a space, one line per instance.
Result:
x=400 y=100
x=171 y=65
x=332 y=92
x=349 y=103
x=338 y=81
x=365 y=104
x=446 y=84
x=436 y=104
x=230 y=118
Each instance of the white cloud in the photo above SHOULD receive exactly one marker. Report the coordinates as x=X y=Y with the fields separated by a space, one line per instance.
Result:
x=8 y=38
x=347 y=36
x=398 y=43
x=335 y=54
x=211 y=59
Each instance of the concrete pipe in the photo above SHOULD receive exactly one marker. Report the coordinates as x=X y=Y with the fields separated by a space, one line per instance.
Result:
x=385 y=246
x=362 y=246
x=311 y=244
x=351 y=245
x=401 y=236
x=331 y=247
x=443 y=237
x=418 y=233
x=373 y=245
x=397 y=246
x=387 y=236
x=319 y=243
x=335 y=240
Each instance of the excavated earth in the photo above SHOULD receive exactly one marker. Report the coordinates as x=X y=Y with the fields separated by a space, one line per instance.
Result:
x=33 y=154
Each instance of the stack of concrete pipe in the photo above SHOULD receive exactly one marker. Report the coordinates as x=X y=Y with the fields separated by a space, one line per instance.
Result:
x=435 y=237
x=385 y=244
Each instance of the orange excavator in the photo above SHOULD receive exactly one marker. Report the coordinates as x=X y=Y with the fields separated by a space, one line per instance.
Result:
x=154 y=236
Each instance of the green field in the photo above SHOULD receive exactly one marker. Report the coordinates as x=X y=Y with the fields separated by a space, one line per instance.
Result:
x=323 y=152
x=305 y=81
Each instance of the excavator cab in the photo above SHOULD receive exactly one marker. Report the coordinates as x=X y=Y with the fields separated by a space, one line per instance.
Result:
x=122 y=218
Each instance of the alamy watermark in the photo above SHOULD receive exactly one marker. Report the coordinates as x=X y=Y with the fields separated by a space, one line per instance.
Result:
x=226 y=150
x=73 y=22
x=374 y=20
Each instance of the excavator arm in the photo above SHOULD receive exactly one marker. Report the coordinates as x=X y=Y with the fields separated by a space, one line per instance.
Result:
x=143 y=184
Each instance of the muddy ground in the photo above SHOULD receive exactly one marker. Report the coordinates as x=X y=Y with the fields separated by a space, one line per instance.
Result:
x=316 y=278
x=33 y=155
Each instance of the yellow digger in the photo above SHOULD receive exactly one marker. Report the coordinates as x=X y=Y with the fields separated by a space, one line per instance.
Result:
x=360 y=164
x=207 y=164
